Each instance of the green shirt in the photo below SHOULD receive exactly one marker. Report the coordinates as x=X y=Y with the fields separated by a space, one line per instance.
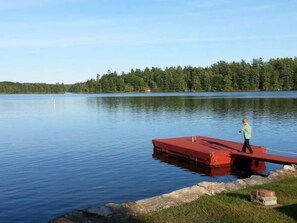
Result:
x=247 y=131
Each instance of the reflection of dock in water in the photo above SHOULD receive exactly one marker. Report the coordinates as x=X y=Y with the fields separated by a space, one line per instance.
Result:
x=242 y=167
x=192 y=166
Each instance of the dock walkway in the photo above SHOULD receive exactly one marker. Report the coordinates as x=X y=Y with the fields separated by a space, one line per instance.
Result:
x=266 y=157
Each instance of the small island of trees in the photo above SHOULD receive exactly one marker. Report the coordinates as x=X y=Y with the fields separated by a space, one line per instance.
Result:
x=7 y=87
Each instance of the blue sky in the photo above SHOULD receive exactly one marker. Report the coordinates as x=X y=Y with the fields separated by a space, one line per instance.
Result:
x=72 y=40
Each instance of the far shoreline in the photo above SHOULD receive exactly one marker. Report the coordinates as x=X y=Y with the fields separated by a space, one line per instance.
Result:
x=148 y=93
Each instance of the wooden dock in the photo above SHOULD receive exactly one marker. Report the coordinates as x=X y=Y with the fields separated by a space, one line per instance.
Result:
x=214 y=152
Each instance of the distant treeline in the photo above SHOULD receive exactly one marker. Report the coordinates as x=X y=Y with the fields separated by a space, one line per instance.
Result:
x=258 y=75
x=275 y=74
x=31 y=88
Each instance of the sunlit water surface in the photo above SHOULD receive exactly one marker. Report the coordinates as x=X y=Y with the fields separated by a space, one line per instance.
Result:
x=65 y=152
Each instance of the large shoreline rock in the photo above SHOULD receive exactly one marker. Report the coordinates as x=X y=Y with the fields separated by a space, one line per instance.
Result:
x=111 y=211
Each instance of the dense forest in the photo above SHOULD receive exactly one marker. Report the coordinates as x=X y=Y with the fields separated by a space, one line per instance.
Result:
x=258 y=75
x=275 y=74
x=31 y=88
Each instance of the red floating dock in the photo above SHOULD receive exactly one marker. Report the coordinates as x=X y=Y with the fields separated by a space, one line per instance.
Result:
x=214 y=152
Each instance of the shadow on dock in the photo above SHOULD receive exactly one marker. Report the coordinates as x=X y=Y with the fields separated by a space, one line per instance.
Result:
x=215 y=145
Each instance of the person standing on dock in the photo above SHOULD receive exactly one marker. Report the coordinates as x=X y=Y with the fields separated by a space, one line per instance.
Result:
x=246 y=130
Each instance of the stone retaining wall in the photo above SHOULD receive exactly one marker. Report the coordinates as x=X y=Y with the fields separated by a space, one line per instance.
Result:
x=111 y=211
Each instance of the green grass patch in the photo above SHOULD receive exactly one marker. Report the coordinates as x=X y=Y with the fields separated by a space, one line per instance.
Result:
x=233 y=207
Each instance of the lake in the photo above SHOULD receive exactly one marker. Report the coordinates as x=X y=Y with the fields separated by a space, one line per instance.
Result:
x=65 y=152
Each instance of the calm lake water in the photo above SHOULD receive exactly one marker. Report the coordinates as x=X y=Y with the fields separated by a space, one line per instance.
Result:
x=84 y=150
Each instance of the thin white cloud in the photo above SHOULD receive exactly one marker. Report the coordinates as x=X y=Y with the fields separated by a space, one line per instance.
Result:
x=21 y=4
x=51 y=42
x=238 y=38
x=67 y=24
x=127 y=40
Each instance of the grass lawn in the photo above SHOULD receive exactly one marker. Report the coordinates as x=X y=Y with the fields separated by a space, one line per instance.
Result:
x=231 y=207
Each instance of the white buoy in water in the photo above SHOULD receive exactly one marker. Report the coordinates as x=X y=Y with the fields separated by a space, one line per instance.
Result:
x=54 y=101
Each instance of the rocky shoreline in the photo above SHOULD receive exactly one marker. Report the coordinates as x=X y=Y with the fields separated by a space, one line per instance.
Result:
x=112 y=212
